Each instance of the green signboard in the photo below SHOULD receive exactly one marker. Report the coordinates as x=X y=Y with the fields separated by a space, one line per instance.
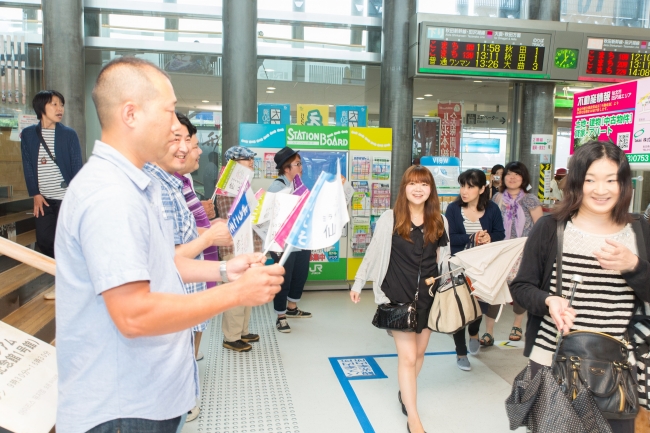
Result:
x=328 y=271
x=318 y=137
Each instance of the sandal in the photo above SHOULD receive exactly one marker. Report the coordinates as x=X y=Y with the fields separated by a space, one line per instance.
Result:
x=487 y=340
x=515 y=334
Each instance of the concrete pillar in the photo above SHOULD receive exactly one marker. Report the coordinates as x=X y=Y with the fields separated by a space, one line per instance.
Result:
x=239 y=81
x=537 y=100
x=64 y=60
x=396 y=94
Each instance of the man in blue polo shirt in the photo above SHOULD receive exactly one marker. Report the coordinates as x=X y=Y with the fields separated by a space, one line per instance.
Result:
x=124 y=347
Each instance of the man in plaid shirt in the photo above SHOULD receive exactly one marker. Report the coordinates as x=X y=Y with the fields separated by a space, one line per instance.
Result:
x=186 y=236
x=235 y=321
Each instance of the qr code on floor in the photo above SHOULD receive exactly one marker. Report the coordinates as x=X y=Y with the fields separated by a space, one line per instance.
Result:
x=355 y=367
x=623 y=140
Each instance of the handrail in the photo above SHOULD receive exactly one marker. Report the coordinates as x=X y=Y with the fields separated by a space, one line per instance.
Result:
x=27 y=256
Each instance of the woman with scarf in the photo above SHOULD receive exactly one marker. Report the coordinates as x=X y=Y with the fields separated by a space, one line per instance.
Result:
x=520 y=210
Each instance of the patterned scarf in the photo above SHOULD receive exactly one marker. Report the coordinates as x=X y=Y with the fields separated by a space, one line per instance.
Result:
x=193 y=203
x=514 y=213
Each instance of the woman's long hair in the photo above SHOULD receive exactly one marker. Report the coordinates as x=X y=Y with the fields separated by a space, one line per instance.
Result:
x=475 y=178
x=434 y=227
x=579 y=163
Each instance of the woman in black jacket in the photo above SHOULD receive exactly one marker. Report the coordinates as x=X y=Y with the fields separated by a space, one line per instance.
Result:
x=602 y=242
x=473 y=220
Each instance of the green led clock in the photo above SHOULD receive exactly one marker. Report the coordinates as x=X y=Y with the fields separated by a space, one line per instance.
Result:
x=566 y=58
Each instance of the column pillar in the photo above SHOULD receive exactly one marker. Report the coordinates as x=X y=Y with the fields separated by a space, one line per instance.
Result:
x=537 y=100
x=239 y=81
x=396 y=94
x=64 y=60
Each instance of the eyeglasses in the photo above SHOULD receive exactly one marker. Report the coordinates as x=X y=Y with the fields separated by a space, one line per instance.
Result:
x=296 y=164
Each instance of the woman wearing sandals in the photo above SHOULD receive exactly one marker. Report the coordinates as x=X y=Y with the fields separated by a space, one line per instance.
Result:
x=602 y=243
x=520 y=210
x=407 y=247
x=473 y=220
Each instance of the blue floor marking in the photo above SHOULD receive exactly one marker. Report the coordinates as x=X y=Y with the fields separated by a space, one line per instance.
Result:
x=363 y=367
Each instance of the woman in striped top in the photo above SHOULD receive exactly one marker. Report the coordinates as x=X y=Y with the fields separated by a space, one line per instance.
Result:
x=473 y=220
x=599 y=244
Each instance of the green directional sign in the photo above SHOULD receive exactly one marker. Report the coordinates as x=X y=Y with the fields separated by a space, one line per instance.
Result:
x=318 y=137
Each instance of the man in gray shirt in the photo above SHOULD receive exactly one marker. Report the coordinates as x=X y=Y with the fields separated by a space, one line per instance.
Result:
x=124 y=345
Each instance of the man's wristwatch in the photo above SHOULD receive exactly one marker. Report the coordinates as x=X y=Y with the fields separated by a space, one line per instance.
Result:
x=224 y=273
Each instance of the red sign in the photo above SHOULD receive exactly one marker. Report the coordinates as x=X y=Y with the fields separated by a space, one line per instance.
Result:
x=618 y=63
x=450 y=128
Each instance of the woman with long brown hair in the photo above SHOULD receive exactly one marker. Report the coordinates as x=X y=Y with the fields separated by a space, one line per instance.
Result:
x=407 y=247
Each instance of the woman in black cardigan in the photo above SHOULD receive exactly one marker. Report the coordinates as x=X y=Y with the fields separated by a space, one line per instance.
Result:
x=473 y=220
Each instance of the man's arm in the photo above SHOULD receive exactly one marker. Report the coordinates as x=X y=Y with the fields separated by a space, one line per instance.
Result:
x=217 y=235
x=138 y=312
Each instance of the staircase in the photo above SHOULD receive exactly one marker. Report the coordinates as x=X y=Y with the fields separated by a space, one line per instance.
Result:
x=22 y=286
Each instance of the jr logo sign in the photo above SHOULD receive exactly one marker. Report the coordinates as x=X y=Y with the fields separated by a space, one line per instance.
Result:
x=316 y=269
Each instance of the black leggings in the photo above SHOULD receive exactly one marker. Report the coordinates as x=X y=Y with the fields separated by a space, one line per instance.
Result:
x=617 y=425
x=459 y=337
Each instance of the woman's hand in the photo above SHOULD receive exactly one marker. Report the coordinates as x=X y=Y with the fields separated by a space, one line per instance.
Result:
x=616 y=257
x=483 y=237
x=561 y=313
x=355 y=296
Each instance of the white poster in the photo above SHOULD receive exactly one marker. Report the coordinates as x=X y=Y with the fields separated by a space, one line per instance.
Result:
x=28 y=382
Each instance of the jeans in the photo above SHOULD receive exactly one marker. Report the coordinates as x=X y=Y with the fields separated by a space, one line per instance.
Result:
x=296 y=271
x=459 y=337
x=137 y=425
x=46 y=227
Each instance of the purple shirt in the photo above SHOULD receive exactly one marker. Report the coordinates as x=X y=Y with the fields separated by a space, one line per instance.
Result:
x=210 y=253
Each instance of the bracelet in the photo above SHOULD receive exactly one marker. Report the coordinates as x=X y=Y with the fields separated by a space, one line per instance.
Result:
x=224 y=273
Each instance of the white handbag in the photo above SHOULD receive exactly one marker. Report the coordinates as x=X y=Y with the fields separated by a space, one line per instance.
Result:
x=454 y=307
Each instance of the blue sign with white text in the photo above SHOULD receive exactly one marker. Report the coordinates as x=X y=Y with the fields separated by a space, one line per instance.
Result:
x=352 y=115
x=274 y=114
x=259 y=135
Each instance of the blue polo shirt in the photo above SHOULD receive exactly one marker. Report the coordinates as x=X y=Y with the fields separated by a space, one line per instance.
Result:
x=110 y=232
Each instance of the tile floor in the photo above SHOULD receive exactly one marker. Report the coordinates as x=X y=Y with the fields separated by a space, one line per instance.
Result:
x=335 y=372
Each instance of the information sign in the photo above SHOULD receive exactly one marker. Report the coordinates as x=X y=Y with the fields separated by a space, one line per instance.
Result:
x=319 y=137
x=616 y=59
x=483 y=51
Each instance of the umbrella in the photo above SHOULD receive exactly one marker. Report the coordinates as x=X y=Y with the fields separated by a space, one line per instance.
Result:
x=488 y=267
x=539 y=404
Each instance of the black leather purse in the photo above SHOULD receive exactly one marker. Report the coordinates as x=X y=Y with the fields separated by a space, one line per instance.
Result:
x=399 y=317
x=596 y=362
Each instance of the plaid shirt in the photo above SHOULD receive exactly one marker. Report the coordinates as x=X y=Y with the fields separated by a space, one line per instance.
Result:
x=176 y=210
x=223 y=206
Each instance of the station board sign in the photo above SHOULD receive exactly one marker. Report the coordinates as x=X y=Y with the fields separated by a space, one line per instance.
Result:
x=484 y=51
x=612 y=59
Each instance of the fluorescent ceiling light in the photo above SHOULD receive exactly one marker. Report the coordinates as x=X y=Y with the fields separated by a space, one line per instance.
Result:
x=270 y=91
x=270 y=88
x=478 y=81
x=419 y=97
x=270 y=70
x=205 y=101
x=428 y=95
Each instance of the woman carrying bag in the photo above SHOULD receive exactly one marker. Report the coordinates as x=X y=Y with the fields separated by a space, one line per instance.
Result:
x=473 y=220
x=600 y=242
x=408 y=245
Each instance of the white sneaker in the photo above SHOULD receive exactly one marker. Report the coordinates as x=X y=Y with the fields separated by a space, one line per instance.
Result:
x=193 y=414
x=199 y=356
x=50 y=295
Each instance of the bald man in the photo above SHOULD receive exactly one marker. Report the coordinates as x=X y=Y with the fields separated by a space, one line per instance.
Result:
x=124 y=345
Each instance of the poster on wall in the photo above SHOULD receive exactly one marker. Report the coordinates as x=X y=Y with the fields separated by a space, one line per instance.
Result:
x=313 y=115
x=352 y=115
x=445 y=171
x=274 y=114
x=380 y=168
x=426 y=136
x=360 y=168
x=451 y=120
x=608 y=113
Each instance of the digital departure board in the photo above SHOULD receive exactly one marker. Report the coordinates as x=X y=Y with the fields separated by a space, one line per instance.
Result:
x=482 y=51
x=616 y=59
x=486 y=56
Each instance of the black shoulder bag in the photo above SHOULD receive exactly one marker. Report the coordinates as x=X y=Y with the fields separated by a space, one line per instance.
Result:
x=64 y=184
x=595 y=361
x=399 y=317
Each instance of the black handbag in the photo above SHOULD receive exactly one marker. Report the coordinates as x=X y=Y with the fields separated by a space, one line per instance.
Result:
x=596 y=362
x=399 y=316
